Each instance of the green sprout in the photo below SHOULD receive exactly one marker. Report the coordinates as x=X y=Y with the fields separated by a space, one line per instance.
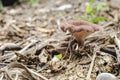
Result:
x=97 y=19
x=1 y=5
x=93 y=14
x=32 y=1
x=101 y=6
x=59 y=56
x=89 y=9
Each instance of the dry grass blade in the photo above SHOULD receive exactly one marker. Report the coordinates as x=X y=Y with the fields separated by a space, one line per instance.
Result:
x=91 y=66
x=117 y=41
x=2 y=75
x=24 y=49
x=10 y=46
x=118 y=55
x=29 y=71
x=16 y=77
x=7 y=74
x=6 y=56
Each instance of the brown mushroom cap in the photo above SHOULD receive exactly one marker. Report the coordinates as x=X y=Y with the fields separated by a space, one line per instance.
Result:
x=79 y=29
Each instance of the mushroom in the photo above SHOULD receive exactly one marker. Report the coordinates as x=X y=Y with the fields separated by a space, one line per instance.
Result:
x=79 y=29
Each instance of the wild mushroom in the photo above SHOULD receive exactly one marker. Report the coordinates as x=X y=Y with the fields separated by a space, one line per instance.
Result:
x=79 y=29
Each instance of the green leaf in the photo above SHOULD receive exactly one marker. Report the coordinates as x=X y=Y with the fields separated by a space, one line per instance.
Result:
x=101 y=6
x=97 y=19
x=32 y=1
x=92 y=12
x=93 y=19
x=89 y=7
x=59 y=56
x=1 y=5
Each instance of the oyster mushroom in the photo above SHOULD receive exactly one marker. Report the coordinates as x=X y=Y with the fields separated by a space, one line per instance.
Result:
x=79 y=29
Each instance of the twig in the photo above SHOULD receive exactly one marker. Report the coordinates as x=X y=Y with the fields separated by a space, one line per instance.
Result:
x=10 y=46
x=37 y=74
x=29 y=71
x=117 y=41
x=6 y=56
x=108 y=24
x=108 y=50
x=118 y=55
x=91 y=67
x=25 y=48
x=68 y=48
x=2 y=75
x=16 y=77
x=7 y=73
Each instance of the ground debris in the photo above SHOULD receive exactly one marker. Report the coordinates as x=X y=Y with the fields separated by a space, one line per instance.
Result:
x=30 y=37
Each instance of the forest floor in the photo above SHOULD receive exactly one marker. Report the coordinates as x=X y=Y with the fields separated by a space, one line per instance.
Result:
x=33 y=47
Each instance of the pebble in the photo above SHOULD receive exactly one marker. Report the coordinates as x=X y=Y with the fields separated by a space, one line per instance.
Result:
x=106 y=76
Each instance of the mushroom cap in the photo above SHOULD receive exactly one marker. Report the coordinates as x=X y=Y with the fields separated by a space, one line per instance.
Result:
x=79 y=25
x=106 y=76
x=80 y=29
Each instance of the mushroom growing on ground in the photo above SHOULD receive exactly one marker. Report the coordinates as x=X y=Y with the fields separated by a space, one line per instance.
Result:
x=79 y=29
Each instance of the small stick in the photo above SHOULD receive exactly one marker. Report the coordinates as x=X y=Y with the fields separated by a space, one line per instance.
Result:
x=37 y=74
x=91 y=67
x=2 y=75
x=118 y=55
x=30 y=71
x=108 y=24
x=10 y=46
x=25 y=48
x=6 y=56
x=16 y=77
x=117 y=41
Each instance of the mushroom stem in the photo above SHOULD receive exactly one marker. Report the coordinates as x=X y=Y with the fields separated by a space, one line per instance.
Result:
x=80 y=36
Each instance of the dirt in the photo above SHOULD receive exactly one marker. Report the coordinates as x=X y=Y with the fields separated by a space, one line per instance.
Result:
x=30 y=36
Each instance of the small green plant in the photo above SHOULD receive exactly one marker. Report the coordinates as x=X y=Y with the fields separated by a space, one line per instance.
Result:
x=89 y=9
x=59 y=56
x=32 y=1
x=93 y=14
x=94 y=19
x=1 y=5
x=101 y=6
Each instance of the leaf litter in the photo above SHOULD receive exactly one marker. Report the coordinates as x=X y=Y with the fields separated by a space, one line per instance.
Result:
x=30 y=37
